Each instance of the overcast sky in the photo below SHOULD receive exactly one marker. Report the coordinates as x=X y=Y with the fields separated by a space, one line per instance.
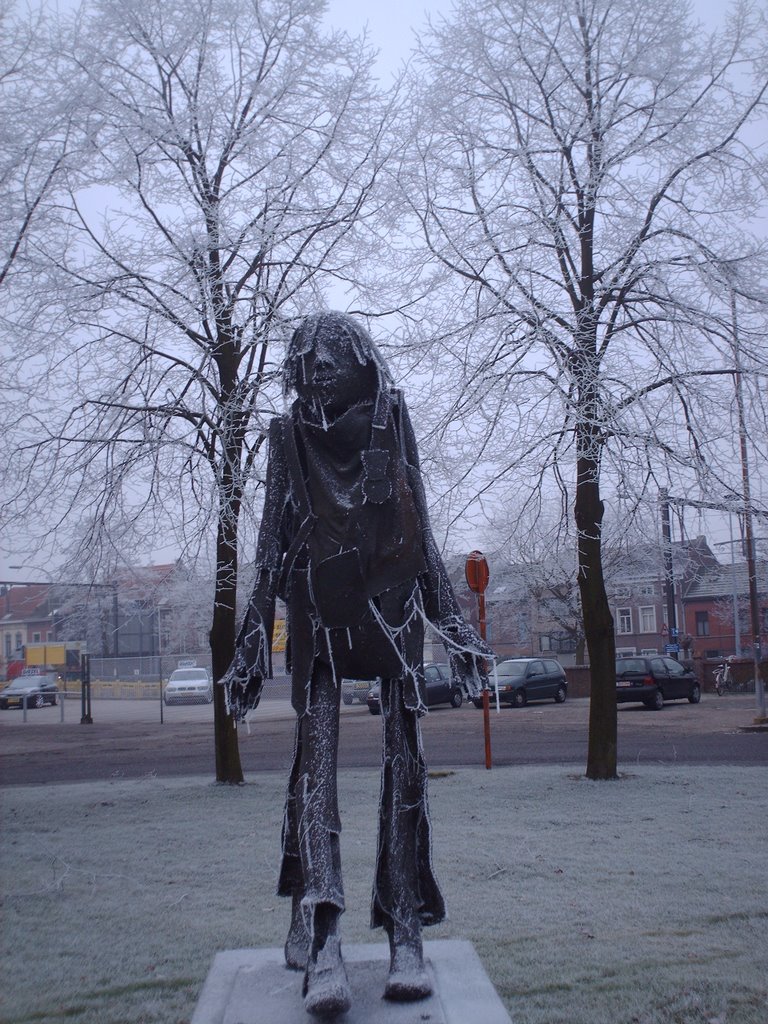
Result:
x=390 y=23
x=390 y=28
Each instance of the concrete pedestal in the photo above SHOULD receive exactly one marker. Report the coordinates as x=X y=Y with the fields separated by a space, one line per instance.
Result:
x=253 y=986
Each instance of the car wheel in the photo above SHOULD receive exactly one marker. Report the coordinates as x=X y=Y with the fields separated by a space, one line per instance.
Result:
x=54 y=700
x=656 y=703
x=457 y=699
x=374 y=711
x=519 y=698
x=560 y=694
x=39 y=700
x=347 y=698
x=695 y=695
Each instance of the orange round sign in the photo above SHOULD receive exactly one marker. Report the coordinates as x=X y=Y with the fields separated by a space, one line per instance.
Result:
x=476 y=571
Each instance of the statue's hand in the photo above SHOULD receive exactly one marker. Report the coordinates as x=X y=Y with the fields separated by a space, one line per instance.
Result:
x=243 y=686
x=468 y=654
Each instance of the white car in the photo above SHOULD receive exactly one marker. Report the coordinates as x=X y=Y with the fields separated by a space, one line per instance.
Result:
x=189 y=686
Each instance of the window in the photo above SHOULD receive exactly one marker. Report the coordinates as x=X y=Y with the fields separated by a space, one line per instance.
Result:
x=19 y=642
x=674 y=668
x=35 y=638
x=49 y=636
x=647 y=590
x=545 y=643
x=648 y=651
x=7 y=645
x=625 y=652
x=702 y=623
x=648 y=619
x=624 y=620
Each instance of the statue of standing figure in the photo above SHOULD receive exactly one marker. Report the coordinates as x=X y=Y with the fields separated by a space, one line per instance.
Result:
x=345 y=541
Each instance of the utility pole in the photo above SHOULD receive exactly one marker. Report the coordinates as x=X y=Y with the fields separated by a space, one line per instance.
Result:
x=669 y=579
x=749 y=540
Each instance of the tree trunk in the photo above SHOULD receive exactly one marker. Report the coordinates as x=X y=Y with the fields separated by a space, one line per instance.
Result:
x=222 y=638
x=598 y=623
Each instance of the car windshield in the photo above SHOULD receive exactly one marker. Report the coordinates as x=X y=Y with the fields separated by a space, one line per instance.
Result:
x=512 y=668
x=624 y=665
x=185 y=674
x=27 y=682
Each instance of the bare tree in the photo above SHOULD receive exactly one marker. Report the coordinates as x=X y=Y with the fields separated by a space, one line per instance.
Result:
x=34 y=130
x=574 y=166
x=228 y=157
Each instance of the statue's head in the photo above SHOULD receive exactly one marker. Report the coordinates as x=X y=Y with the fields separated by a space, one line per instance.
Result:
x=332 y=363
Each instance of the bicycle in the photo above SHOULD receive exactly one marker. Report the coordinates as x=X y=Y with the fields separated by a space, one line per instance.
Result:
x=724 y=681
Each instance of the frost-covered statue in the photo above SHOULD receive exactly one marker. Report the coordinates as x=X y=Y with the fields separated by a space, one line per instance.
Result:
x=345 y=540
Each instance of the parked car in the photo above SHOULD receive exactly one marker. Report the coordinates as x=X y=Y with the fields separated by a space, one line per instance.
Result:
x=189 y=686
x=524 y=679
x=653 y=680
x=440 y=689
x=355 y=690
x=38 y=690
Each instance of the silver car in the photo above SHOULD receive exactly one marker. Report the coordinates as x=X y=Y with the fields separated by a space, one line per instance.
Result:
x=189 y=686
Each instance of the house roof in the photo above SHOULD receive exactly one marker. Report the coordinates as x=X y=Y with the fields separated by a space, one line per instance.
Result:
x=722 y=580
x=34 y=602
x=24 y=603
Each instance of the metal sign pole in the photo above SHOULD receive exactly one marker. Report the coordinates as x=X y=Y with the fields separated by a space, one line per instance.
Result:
x=477 y=575
x=85 y=690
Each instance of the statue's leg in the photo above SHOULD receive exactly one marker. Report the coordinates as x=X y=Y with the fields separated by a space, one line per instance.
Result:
x=311 y=869
x=406 y=893
x=291 y=881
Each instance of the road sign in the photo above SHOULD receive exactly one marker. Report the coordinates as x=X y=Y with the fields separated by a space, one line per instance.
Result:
x=476 y=572
x=671 y=648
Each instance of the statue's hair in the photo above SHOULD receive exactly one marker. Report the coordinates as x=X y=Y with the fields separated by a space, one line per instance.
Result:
x=338 y=325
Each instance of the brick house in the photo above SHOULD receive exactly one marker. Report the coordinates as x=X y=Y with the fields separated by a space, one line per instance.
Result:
x=708 y=605
x=26 y=616
x=637 y=595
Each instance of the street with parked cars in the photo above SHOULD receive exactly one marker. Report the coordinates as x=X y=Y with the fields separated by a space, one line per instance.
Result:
x=128 y=740
x=441 y=688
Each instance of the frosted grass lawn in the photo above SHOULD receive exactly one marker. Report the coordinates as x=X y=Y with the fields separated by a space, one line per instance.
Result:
x=643 y=901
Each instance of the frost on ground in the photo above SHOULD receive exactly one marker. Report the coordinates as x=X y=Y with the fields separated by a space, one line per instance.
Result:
x=637 y=902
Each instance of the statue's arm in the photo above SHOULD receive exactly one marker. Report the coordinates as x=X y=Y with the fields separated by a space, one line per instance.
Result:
x=252 y=663
x=466 y=648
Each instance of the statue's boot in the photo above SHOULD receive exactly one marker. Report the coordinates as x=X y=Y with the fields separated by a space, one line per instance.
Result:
x=297 y=944
x=408 y=979
x=326 y=988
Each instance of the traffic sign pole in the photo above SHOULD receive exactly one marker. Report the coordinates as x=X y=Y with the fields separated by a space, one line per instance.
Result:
x=477 y=574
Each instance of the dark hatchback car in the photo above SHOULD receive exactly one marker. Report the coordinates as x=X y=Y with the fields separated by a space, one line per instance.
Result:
x=652 y=680
x=441 y=689
x=524 y=679
x=39 y=690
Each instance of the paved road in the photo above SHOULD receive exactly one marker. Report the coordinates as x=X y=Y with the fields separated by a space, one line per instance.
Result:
x=127 y=740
